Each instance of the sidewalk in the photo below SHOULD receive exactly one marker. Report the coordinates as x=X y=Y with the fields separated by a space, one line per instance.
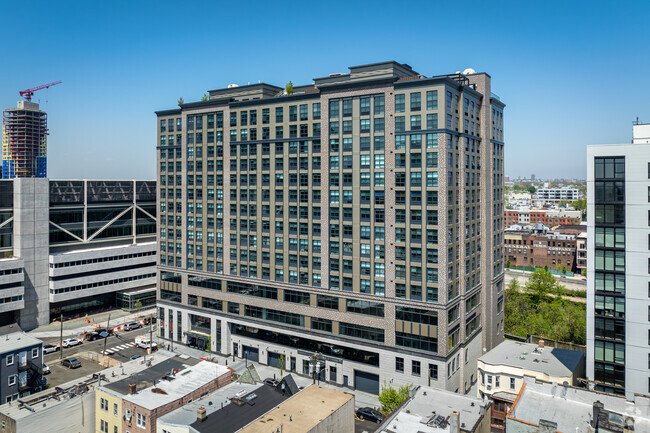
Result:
x=77 y=327
x=361 y=399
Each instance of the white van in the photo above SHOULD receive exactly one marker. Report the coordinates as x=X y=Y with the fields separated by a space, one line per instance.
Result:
x=143 y=342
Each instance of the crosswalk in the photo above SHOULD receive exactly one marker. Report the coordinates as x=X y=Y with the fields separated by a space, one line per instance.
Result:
x=118 y=348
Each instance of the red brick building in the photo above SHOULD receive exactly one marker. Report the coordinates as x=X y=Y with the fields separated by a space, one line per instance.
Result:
x=540 y=248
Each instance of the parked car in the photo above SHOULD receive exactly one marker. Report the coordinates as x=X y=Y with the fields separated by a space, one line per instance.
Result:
x=46 y=369
x=149 y=320
x=72 y=342
x=49 y=348
x=132 y=325
x=71 y=363
x=271 y=382
x=135 y=357
x=370 y=414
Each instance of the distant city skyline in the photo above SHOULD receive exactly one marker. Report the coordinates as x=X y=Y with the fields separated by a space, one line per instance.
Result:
x=121 y=61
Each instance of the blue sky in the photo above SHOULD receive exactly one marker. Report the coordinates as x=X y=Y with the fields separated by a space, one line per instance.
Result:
x=571 y=73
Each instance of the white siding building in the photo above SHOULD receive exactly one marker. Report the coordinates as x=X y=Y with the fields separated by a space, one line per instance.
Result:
x=618 y=262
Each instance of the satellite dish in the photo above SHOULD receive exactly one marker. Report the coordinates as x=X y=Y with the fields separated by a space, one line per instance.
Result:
x=469 y=71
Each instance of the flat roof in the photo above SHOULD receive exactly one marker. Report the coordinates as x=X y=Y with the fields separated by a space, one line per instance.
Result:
x=233 y=417
x=145 y=377
x=172 y=388
x=572 y=408
x=12 y=341
x=552 y=361
x=186 y=415
x=44 y=400
x=306 y=410
x=429 y=409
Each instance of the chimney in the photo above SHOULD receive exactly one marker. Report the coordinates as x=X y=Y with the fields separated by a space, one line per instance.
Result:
x=201 y=414
x=540 y=344
x=131 y=388
x=598 y=406
x=454 y=422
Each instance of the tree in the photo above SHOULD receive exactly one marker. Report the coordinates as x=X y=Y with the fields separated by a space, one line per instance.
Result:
x=541 y=284
x=289 y=88
x=507 y=263
x=137 y=305
x=204 y=98
x=531 y=189
x=581 y=205
x=281 y=365
x=391 y=398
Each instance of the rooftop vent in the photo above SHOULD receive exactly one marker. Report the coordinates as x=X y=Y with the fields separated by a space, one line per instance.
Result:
x=132 y=388
x=232 y=85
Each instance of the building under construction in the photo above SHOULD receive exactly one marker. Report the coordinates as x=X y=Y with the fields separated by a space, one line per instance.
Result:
x=24 y=141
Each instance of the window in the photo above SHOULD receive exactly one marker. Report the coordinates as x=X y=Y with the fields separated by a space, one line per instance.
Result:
x=103 y=426
x=10 y=359
x=433 y=371
x=141 y=420
x=415 y=368
x=400 y=105
x=115 y=409
x=12 y=380
x=35 y=352
x=399 y=365
x=512 y=383
x=103 y=404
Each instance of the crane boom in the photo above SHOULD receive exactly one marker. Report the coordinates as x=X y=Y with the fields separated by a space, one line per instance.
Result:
x=29 y=92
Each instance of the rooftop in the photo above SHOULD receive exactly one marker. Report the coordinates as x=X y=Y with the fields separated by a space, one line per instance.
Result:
x=171 y=387
x=186 y=415
x=301 y=413
x=45 y=400
x=551 y=361
x=10 y=341
x=572 y=408
x=146 y=377
x=257 y=400
x=429 y=411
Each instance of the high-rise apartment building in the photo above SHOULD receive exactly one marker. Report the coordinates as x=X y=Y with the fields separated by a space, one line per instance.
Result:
x=618 y=265
x=24 y=141
x=355 y=223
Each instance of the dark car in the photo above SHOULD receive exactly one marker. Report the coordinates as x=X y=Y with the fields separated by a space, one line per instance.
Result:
x=71 y=363
x=108 y=331
x=132 y=325
x=149 y=320
x=135 y=357
x=370 y=414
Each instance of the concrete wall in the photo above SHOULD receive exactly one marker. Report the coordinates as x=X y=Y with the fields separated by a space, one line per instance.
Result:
x=340 y=421
x=31 y=243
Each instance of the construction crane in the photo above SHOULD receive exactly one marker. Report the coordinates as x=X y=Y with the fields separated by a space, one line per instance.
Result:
x=29 y=92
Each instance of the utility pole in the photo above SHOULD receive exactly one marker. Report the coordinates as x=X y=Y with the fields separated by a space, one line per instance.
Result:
x=61 y=339
x=107 y=328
